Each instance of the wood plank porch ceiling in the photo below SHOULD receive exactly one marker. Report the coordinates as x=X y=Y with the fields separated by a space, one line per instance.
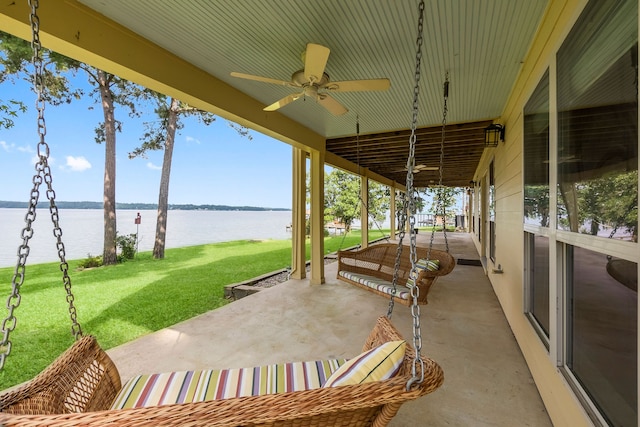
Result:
x=386 y=153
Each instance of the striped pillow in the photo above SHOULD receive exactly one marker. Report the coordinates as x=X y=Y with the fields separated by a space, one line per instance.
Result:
x=422 y=264
x=429 y=264
x=377 y=364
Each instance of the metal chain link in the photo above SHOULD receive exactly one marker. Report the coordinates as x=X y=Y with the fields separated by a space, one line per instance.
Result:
x=409 y=204
x=43 y=173
x=76 y=329
x=43 y=166
x=440 y=205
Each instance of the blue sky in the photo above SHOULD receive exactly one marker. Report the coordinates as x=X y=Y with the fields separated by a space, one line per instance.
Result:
x=211 y=164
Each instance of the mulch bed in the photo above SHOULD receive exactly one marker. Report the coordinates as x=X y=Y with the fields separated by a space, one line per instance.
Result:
x=284 y=276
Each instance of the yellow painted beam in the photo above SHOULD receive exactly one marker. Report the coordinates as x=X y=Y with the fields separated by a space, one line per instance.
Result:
x=317 y=217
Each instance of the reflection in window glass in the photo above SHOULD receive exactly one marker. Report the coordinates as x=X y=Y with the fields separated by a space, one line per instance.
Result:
x=597 y=100
x=598 y=122
x=603 y=329
x=538 y=280
x=536 y=155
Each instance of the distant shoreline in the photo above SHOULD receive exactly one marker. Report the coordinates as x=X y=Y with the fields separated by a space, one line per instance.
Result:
x=141 y=206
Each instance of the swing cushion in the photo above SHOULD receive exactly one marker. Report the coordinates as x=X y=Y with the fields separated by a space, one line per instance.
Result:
x=376 y=283
x=379 y=363
x=205 y=385
x=422 y=264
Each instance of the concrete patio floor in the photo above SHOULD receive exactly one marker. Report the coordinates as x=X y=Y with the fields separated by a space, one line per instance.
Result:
x=487 y=382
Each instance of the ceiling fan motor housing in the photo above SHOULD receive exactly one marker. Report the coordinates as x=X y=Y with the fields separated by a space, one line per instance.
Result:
x=299 y=79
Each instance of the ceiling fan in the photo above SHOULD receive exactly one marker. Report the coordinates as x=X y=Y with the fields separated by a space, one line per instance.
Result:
x=419 y=168
x=315 y=83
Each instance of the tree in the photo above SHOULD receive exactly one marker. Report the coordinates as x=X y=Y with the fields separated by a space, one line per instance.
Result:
x=160 y=135
x=109 y=91
x=607 y=201
x=342 y=198
x=9 y=110
x=15 y=56
x=418 y=201
x=443 y=200
x=536 y=203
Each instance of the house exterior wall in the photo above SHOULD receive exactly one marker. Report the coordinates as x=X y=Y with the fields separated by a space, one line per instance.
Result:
x=563 y=405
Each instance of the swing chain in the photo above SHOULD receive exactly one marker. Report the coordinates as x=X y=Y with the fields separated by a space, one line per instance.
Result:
x=9 y=323
x=417 y=368
x=43 y=173
x=43 y=165
x=440 y=205
x=409 y=206
x=409 y=198
x=394 y=281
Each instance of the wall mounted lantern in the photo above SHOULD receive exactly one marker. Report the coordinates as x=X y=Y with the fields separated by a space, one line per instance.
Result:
x=493 y=134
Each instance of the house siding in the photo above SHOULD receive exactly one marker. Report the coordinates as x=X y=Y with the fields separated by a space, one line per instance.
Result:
x=562 y=404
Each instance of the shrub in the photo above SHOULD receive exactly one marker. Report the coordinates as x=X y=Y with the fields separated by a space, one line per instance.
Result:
x=91 y=262
x=127 y=246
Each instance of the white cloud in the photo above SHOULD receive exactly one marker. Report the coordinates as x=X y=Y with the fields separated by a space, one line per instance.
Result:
x=77 y=164
x=192 y=139
x=6 y=147
x=153 y=167
x=25 y=149
x=13 y=147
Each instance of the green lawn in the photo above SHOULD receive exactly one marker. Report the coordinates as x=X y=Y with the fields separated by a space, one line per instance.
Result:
x=120 y=303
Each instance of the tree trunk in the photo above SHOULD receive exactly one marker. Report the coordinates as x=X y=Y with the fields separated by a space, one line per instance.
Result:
x=109 y=255
x=163 y=197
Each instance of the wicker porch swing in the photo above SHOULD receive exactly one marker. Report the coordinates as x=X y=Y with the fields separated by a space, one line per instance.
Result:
x=381 y=268
x=82 y=387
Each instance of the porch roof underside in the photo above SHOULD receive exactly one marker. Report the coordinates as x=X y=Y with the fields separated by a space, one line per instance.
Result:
x=386 y=153
x=189 y=49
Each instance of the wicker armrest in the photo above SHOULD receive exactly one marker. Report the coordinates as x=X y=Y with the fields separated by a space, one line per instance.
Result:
x=82 y=379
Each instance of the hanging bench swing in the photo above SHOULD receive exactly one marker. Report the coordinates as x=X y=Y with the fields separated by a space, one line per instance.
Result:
x=82 y=387
x=395 y=269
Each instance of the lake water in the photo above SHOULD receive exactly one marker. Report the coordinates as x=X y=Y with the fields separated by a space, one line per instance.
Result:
x=83 y=230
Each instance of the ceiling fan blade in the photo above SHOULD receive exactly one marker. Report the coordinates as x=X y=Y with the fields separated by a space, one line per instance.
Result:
x=358 y=85
x=315 y=61
x=281 y=103
x=262 y=79
x=419 y=168
x=426 y=168
x=332 y=105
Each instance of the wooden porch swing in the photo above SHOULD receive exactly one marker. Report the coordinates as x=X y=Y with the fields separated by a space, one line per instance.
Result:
x=82 y=387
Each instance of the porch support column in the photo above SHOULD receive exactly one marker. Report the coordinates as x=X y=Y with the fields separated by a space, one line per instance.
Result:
x=298 y=229
x=392 y=211
x=317 y=217
x=468 y=211
x=364 y=210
